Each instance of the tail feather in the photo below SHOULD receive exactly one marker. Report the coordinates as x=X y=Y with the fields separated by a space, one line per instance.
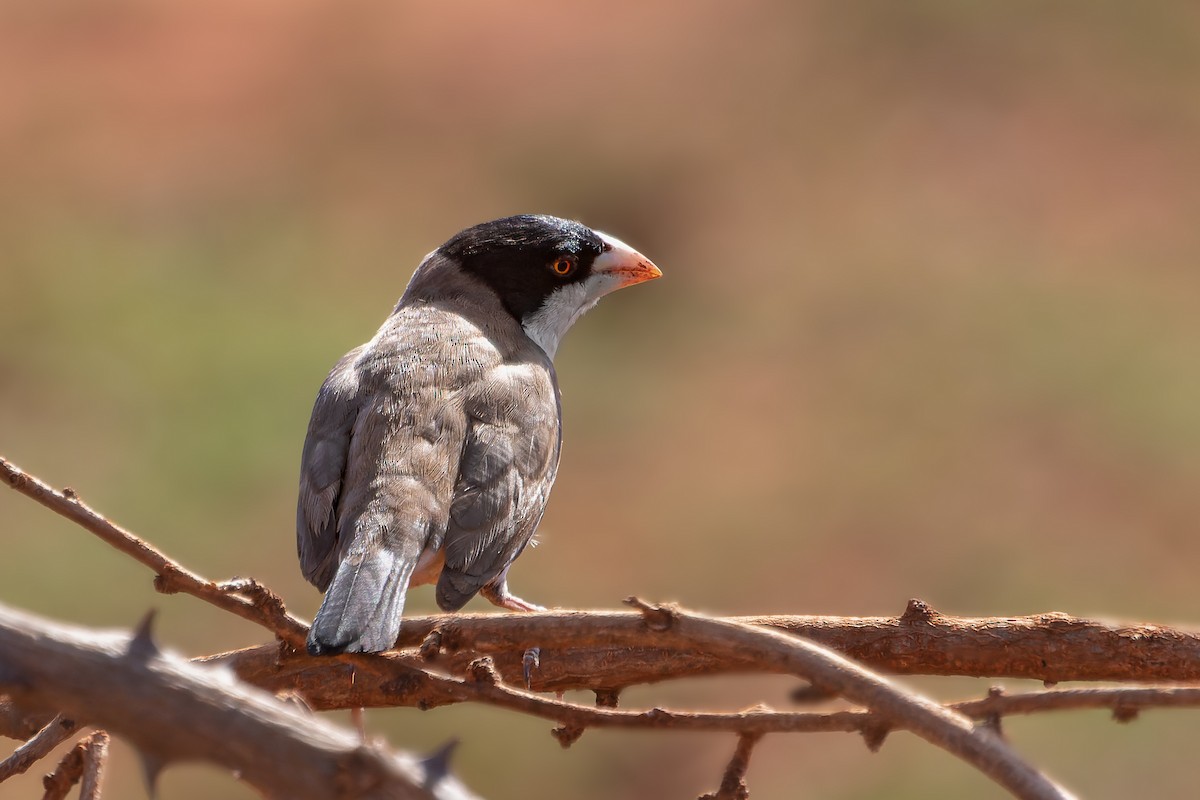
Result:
x=361 y=610
x=455 y=589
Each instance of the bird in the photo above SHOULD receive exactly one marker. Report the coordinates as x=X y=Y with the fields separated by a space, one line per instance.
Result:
x=432 y=448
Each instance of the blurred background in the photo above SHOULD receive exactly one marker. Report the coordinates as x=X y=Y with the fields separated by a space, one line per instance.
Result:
x=929 y=326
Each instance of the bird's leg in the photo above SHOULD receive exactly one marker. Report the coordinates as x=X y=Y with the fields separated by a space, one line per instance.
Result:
x=498 y=595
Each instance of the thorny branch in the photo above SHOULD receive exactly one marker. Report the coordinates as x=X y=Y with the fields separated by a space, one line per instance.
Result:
x=580 y=649
x=1048 y=647
x=332 y=686
x=131 y=688
x=481 y=658
x=84 y=765
x=38 y=746
x=247 y=599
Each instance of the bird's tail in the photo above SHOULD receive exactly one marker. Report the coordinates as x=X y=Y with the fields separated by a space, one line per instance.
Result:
x=361 y=610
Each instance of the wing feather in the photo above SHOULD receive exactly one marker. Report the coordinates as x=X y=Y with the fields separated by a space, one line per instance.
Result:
x=504 y=479
x=322 y=470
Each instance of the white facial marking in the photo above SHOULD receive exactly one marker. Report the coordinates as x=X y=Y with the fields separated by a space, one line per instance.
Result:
x=548 y=324
x=558 y=313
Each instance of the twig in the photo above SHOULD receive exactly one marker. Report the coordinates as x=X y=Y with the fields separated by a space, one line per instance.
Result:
x=84 y=765
x=172 y=709
x=602 y=651
x=388 y=682
x=572 y=647
x=1052 y=647
x=675 y=631
x=65 y=775
x=1124 y=702
x=247 y=599
x=937 y=725
x=782 y=653
x=57 y=731
x=733 y=782
x=94 y=761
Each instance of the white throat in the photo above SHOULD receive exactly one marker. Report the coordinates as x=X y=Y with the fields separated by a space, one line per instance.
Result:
x=558 y=313
x=549 y=324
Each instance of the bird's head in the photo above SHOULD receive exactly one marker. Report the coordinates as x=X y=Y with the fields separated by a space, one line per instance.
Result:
x=547 y=271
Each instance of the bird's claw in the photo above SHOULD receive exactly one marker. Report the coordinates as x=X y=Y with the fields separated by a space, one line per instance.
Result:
x=529 y=662
x=500 y=596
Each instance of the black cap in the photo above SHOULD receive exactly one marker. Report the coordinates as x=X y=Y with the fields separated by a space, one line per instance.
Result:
x=526 y=257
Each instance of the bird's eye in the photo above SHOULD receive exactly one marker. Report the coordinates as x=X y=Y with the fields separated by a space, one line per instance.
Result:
x=563 y=266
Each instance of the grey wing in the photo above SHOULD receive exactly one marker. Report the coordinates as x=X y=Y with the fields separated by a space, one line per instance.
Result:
x=322 y=469
x=504 y=481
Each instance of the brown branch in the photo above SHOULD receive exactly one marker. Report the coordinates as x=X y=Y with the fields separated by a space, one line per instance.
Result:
x=21 y=723
x=830 y=671
x=245 y=598
x=574 y=655
x=605 y=651
x=391 y=680
x=778 y=651
x=733 y=782
x=576 y=652
x=40 y=745
x=172 y=709
x=83 y=765
x=94 y=760
x=1125 y=703
x=788 y=654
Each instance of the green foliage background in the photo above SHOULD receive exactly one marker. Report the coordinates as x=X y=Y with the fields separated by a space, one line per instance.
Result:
x=928 y=328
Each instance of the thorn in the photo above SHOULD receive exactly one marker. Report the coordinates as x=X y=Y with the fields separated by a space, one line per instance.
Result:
x=431 y=646
x=255 y=592
x=992 y=719
x=70 y=494
x=657 y=617
x=531 y=661
x=874 y=734
x=437 y=763
x=164 y=582
x=916 y=611
x=1122 y=713
x=284 y=651
x=142 y=644
x=811 y=693
x=450 y=638
x=567 y=735
x=607 y=698
x=152 y=766
x=1049 y=684
x=483 y=670
x=991 y=722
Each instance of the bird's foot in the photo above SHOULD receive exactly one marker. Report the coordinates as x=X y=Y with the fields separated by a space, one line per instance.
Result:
x=500 y=596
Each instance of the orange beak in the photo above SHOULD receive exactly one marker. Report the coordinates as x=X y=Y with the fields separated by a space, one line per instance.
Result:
x=625 y=264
